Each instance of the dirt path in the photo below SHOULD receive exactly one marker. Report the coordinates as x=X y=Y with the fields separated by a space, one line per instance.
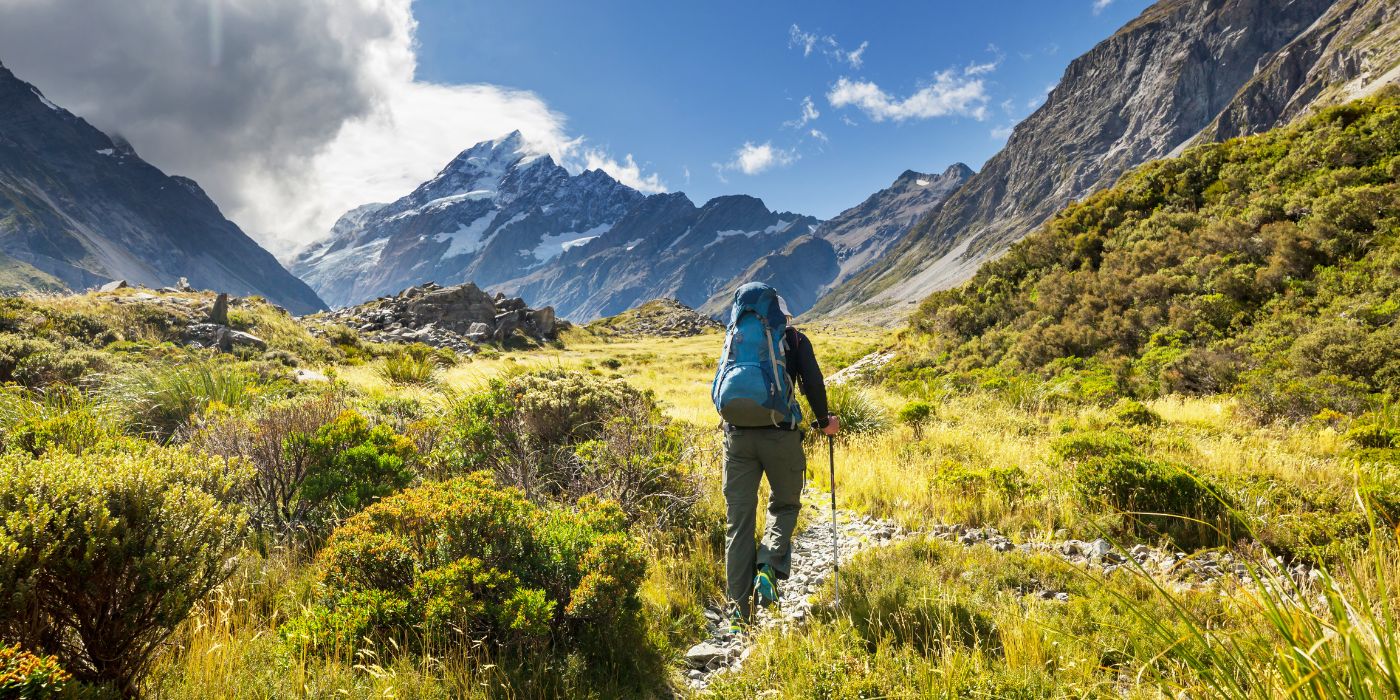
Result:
x=812 y=554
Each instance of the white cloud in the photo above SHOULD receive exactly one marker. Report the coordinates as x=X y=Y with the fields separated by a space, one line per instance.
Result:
x=818 y=135
x=990 y=66
x=1101 y=5
x=809 y=113
x=857 y=58
x=627 y=172
x=950 y=94
x=827 y=46
x=752 y=159
x=288 y=112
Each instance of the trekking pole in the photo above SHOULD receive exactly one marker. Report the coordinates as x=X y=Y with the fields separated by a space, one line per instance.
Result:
x=835 y=531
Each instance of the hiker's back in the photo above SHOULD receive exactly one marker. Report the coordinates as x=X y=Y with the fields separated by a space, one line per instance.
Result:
x=752 y=387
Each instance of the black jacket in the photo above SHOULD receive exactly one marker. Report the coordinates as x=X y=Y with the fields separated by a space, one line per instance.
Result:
x=803 y=370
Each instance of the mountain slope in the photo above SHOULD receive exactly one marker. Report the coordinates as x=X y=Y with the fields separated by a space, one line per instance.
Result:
x=512 y=220
x=84 y=209
x=497 y=210
x=1143 y=93
x=664 y=247
x=1269 y=264
x=846 y=244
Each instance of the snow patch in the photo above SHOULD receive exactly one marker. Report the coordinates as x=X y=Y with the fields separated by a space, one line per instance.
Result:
x=921 y=183
x=633 y=244
x=45 y=100
x=554 y=245
x=106 y=151
x=468 y=238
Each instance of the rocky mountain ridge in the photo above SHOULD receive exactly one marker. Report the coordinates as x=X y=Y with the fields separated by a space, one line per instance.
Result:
x=507 y=217
x=82 y=208
x=1183 y=70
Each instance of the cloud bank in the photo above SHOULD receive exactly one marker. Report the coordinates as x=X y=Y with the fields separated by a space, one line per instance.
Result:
x=288 y=112
x=950 y=94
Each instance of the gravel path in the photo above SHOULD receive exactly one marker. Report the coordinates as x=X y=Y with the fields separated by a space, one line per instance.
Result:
x=811 y=566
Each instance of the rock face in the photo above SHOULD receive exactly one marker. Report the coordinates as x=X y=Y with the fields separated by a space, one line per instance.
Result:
x=458 y=317
x=665 y=318
x=509 y=218
x=1183 y=68
x=84 y=209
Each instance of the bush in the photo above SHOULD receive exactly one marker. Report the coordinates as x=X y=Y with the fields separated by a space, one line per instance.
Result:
x=914 y=414
x=102 y=556
x=163 y=399
x=60 y=419
x=415 y=365
x=1373 y=436
x=24 y=675
x=858 y=411
x=351 y=465
x=1129 y=412
x=558 y=408
x=1161 y=499
x=466 y=558
x=277 y=443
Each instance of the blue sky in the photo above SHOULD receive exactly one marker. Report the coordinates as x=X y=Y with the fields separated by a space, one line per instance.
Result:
x=683 y=86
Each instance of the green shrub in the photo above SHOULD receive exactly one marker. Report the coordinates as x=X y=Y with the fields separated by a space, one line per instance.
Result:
x=611 y=363
x=1081 y=446
x=1160 y=499
x=101 y=556
x=559 y=408
x=1370 y=435
x=277 y=442
x=465 y=559
x=163 y=399
x=351 y=465
x=1129 y=412
x=24 y=675
x=915 y=414
x=856 y=408
x=412 y=366
x=59 y=419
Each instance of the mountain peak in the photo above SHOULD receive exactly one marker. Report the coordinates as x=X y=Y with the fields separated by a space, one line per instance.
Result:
x=959 y=170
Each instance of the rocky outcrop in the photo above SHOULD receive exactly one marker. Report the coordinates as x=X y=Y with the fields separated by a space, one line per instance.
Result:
x=663 y=318
x=1141 y=94
x=1352 y=51
x=83 y=208
x=460 y=317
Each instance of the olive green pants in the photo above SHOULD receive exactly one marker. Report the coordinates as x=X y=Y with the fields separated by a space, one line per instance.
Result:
x=748 y=456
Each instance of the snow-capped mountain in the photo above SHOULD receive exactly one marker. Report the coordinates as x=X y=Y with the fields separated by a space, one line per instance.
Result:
x=79 y=208
x=511 y=219
x=663 y=247
x=498 y=210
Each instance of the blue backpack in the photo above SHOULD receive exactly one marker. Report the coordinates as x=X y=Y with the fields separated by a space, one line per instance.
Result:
x=752 y=387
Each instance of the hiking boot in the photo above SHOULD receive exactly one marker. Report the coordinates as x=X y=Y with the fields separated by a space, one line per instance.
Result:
x=737 y=624
x=765 y=585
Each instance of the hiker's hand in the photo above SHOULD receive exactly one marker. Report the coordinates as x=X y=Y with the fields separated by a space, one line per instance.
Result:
x=833 y=425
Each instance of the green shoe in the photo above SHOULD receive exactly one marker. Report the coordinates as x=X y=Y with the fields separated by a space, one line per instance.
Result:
x=737 y=625
x=765 y=585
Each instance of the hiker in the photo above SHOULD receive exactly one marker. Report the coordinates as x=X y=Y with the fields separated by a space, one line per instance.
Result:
x=753 y=391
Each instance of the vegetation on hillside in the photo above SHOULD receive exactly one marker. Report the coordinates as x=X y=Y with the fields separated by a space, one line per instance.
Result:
x=1267 y=266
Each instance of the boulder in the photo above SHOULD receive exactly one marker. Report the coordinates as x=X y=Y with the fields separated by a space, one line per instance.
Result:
x=542 y=322
x=219 y=314
x=113 y=286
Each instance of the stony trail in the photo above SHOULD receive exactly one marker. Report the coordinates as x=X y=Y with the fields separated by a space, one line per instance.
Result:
x=811 y=567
